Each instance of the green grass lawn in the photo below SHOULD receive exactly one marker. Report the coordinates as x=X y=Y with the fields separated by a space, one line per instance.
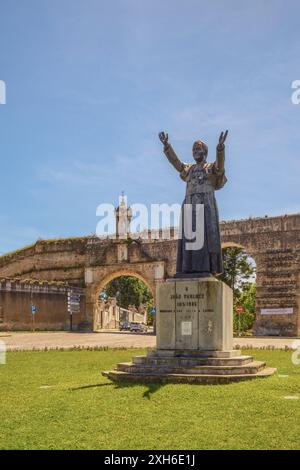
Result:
x=59 y=400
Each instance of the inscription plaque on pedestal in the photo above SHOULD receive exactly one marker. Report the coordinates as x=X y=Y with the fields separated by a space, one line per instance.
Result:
x=186 y=314
x=186 y=328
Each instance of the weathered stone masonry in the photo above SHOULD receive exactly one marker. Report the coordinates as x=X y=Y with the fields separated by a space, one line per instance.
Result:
x=89 y=262
x=274 y=243
x=16 y=297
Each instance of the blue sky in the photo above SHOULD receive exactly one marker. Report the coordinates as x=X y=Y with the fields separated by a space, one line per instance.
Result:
x=90 y=83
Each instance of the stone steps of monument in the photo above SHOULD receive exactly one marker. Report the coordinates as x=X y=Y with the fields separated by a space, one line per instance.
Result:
x=192 y=361
x=119 y=376
x=196 y=353
x=252 y=368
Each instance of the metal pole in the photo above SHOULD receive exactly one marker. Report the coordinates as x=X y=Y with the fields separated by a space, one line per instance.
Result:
x=32 y=314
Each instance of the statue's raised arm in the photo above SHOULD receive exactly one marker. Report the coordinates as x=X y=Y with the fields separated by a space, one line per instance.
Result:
x=220 y=157
x=169 y=152
x=163 y=137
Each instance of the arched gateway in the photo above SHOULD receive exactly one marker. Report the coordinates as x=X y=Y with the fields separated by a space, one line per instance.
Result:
x=90 y=262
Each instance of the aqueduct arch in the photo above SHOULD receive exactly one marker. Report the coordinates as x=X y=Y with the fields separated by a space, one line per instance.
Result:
x=237 y=245
x=98 y=278
x=103 y=281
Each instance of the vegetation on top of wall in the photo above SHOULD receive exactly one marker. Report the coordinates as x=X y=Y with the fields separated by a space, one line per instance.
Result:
x=35 y=281
x=8 y=256
x=65 y=239
x=11 y=254
x=49 y=268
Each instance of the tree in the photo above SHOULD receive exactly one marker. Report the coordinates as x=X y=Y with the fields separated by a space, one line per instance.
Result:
x=247 y=299
x=239 y=274
x=128 y=290
x=238 y=269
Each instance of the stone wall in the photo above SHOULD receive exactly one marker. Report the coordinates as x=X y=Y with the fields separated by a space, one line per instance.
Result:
x=107 y=314
x=51 y=260
x=273 y=242
x=51 y=299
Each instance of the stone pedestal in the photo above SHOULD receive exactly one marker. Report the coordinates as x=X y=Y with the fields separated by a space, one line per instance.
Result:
x=194 y=314
x=194 y=339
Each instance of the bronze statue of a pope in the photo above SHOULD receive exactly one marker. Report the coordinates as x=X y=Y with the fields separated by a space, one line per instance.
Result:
x=202 y=180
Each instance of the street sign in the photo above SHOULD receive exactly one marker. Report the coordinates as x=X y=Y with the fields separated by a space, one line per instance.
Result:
x=73 y=309
x=34 y=309
x=74 y=297
x=239 y=309
x=73 y=303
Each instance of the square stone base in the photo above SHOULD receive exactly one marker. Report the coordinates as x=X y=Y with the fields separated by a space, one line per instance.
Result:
x=194 y=339
x=194 y=314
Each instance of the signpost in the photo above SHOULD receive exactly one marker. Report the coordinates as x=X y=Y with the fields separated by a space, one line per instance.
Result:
x=73 y=305
x=34 y=310
x=239 y=309
x=153 y=311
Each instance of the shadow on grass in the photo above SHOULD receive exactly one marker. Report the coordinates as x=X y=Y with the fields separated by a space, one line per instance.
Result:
x=83 y=387
x=152 y=387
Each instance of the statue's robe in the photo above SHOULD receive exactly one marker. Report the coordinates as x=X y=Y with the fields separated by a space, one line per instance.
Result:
x=202 y=181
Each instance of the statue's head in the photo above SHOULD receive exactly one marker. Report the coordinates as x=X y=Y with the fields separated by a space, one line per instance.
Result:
x=200 y=151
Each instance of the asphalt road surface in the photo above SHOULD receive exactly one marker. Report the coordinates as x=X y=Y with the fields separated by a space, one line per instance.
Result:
x=115 y=339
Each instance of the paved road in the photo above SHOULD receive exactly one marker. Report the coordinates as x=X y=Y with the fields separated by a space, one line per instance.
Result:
x=114 y=339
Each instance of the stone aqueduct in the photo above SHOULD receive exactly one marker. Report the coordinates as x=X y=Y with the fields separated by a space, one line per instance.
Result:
x=90 y=262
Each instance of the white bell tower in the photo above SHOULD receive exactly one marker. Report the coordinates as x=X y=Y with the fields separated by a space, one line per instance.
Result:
x=123 y=218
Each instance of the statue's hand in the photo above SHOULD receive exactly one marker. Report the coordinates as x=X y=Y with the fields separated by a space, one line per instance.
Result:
x=222 y=139
x=163 y=138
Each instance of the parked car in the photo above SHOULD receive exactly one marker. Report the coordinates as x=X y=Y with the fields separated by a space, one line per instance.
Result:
x=138 y=327
x=124 y=325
